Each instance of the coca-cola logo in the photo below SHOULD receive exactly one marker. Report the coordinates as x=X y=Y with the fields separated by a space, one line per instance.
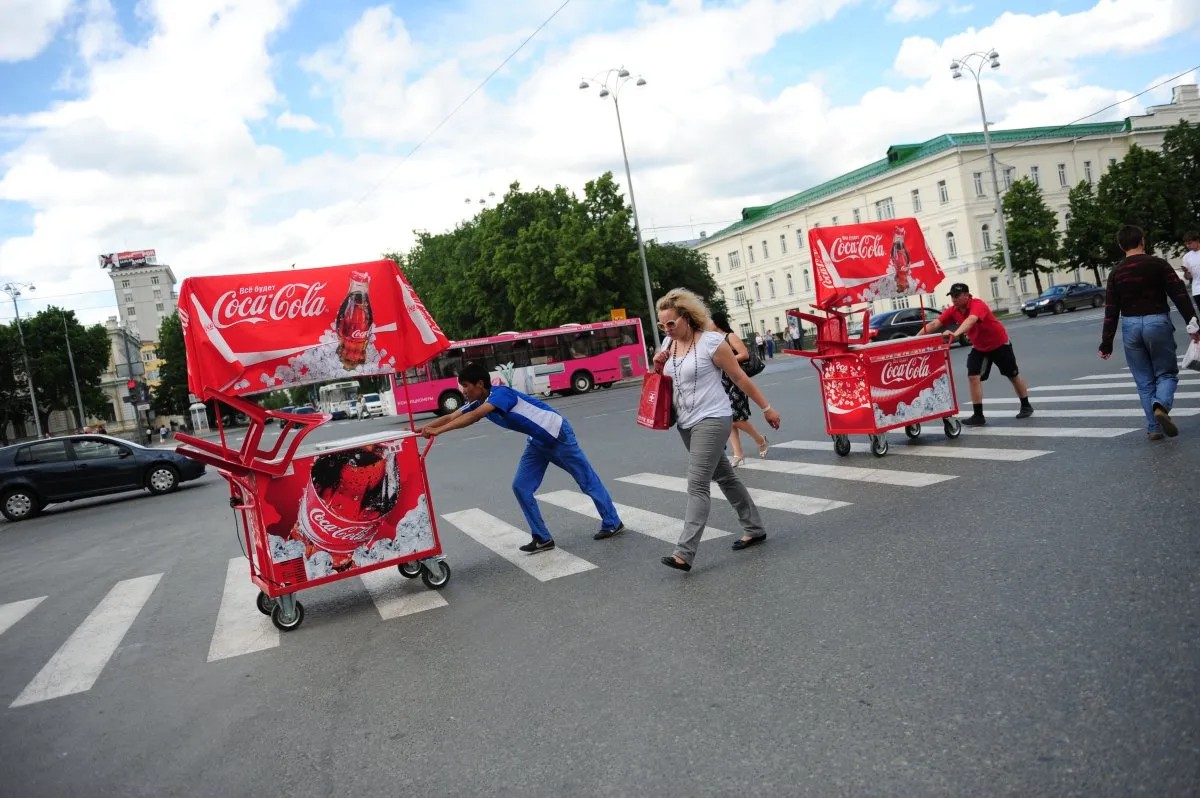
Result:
x=291 y=301
x=823 y=276
x=859 y=247
x=336 y=529
x=905 y=371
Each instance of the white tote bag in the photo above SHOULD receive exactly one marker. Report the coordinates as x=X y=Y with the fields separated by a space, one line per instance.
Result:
x=1191 y=358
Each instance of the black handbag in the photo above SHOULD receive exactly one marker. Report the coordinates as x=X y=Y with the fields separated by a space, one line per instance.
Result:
x=754 y=364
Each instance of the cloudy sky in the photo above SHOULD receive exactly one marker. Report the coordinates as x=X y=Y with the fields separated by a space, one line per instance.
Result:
x=246 y=135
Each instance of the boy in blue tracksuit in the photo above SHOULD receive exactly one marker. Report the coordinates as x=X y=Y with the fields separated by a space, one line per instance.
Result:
x=551 y=440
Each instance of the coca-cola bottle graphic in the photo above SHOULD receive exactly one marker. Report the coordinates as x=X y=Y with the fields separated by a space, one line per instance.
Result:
x=899 y=260
x=354 y=320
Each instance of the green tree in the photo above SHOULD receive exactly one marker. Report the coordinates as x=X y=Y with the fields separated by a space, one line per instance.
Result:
x=46 y=334
x=1181 y=152
x=170 y=397
x=14 y=399
x=1142 y=190
x=1090 y=238
x=1032 y=236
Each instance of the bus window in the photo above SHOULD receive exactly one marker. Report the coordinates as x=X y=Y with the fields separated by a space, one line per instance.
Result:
x=544 y=350
x=521 y=355
x=447 y=364
x=481 y=354
x=580 y=346
x=418 y=374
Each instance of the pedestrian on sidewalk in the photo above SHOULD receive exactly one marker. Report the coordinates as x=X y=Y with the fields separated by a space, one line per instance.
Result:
x=761 y=345
x=1191 y=264
x=1138 y=289
x=989 y=347
x=551 y=440
x=694 y=357
x=162 y=433
x=770 y=344
x=738 y=401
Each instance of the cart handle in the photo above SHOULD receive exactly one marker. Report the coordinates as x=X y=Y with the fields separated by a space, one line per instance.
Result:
x=425 y=451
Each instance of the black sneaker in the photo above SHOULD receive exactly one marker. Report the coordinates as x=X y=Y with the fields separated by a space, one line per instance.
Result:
x=534 y=546
x=1025 y=412
x=608 y=533
x=974 y=421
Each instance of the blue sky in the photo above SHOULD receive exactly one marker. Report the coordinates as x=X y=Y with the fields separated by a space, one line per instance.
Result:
x=242 y=136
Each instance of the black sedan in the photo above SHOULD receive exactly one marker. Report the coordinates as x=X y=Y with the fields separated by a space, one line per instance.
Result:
x=1070 y=296
x=72 y=467
x=902 y=323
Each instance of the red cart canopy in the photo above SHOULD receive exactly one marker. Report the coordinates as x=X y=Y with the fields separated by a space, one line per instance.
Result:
x=874 y=260
x=249 y=333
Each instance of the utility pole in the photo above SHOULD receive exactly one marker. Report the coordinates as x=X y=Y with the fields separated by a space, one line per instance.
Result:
x=74 y=377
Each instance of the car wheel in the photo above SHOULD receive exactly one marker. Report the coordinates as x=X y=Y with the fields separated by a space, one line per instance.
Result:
x=449 y=401
x=1058 y=308
x=1097 y=301
x=162 y=479
x=19 y=504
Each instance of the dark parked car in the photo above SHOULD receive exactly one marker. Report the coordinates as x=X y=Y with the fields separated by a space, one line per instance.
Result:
x=1058 y=298
x=903 y=323
x=72 y=467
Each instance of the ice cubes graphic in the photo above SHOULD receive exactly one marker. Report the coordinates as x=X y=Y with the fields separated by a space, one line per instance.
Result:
x=414 y=532
x=319 y=565
x=885 y=288
x=321 y=362
x=283 y=550
x=934 y=399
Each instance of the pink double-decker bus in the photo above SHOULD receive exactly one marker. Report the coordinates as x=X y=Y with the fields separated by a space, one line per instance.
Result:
x=573 y=358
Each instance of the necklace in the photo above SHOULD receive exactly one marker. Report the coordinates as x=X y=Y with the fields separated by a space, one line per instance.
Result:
x=691 y=405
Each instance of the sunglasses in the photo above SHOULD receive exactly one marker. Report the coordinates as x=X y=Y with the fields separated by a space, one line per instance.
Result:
x=669 y=325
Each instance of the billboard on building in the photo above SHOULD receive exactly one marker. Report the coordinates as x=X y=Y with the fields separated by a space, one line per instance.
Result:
x=125 y=260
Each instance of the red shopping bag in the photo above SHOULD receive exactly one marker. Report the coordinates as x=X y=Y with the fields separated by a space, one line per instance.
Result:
x=655 y=409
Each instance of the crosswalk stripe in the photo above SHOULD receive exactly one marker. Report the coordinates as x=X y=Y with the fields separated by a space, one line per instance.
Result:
x=925 y=450
x=241 y=628
x=1048 y=432
x=1089 y=386
x=504 y=538
x=396 y=596
x=771 y=499
x=1183 y=376
x=644 y=522
x=878 y=476
x=1095 y=412
x=77 y=664
x=15 y=611
x=1106 y=397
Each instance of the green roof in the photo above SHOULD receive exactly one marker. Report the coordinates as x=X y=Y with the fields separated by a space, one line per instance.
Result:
x=903 y=155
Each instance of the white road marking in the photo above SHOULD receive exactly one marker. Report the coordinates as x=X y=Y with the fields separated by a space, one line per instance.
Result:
x=644 y=522
x=504 y=538
x=1047 y=432
x=241 y=628
x=598 y=415
x=15 y=611
x=1094 y=412
x=1090 y=386
x=773 y=500
x=925 y=450
x=77 y=664
x=1105 y=397
x=1182 y=376
x=396 y=596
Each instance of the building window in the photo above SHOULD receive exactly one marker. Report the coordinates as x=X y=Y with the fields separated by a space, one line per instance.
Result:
x=1008 y=177
x=766 y=252
x=885 y=209
x=746 y=329
x=750 y=254
x=977 y=179
x=799 y=239
x=735 y=260
x=128 y=297
x=1024 y=285
x=1062 y=175
x=951 y=247
x=995 y=281
x=857 y=216
x=1035 y=175
x=757 y=292
x=943 y=192
x=782 y=244
x=158 y=293
x=131 y=311
x=717 y=263
x=1087 y=171
x=834 y=221
x=777 y=327
x=985 y=233
x=807 y=282
x=791 y=288
x=739 y=295
x=147 y=357
x=124 y=283
x=154 y=280
x=771 y=287
x=1112 y=162
x=899 y=302
x=159 y=307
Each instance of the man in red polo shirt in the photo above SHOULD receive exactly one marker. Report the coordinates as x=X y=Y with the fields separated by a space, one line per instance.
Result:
x=989 y=345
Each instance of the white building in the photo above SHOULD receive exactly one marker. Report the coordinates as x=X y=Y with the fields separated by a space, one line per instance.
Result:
x=762 y=262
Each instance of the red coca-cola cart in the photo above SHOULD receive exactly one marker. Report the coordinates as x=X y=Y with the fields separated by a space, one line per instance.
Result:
x=868 y=388
x=311 y=513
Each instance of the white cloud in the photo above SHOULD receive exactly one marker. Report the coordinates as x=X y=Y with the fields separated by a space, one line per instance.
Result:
x=289 y=121
x=909 y=10
x=28 y=26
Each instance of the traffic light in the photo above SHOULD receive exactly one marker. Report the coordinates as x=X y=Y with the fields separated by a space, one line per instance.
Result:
x=131 y=385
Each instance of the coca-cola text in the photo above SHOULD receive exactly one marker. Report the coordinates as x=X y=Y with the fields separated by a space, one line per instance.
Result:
x=906 y=371
x=286 y=303
x=861 y=247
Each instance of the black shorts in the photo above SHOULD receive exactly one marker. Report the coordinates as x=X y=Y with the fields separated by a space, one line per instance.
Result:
x=1001 y=357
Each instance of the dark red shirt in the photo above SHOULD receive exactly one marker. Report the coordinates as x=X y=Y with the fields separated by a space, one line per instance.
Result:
x=1140 y=286
x=986 y=334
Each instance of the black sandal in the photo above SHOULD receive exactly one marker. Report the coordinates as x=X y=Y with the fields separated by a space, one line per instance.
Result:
x=740 y=544
x=671 y=562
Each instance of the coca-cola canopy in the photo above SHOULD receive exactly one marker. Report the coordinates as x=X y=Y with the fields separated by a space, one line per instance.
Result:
x=873 y=260
x=249 y=333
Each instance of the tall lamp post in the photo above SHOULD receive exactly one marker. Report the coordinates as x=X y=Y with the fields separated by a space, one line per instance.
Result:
x=74 y=377
x=973 y=63
x=610 y=86
x=14 y=292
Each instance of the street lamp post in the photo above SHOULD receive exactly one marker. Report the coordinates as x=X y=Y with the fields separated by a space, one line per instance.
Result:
x=74 y=377
x=14 y=292
x=973 y=63
x=618 y=78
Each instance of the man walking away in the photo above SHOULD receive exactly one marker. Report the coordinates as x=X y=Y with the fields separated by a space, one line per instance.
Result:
x=1191 y=264
x=989 y=347
x=1138 y=289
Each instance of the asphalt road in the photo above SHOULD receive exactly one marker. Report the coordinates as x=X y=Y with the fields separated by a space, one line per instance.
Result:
x=1021 y=621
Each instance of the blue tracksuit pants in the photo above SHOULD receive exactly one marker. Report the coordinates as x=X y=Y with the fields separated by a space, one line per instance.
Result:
x=567 y=455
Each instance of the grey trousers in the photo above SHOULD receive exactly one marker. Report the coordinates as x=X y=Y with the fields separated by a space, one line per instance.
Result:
x=705 y=443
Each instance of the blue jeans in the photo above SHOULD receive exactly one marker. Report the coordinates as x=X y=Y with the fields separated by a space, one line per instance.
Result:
x=1151 y=356
x=567 y=455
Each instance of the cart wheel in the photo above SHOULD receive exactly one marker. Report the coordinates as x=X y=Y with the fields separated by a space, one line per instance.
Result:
x=277 y=617
x=952 y=426
x=841 y=445
x=913 y=431
x=409 y=570
x=879 y=445
x=264 y=603
x=436 y=581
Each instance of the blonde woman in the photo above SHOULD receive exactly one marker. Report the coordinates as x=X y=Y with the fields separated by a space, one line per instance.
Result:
x=737 y=398
x=695 y=358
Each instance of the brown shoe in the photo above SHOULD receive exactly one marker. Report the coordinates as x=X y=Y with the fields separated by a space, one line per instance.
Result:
x=1154 y=436
x=1164 y=421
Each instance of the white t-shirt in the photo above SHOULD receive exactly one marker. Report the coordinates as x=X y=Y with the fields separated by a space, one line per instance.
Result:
x=697 y=392
x=1191 y=262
